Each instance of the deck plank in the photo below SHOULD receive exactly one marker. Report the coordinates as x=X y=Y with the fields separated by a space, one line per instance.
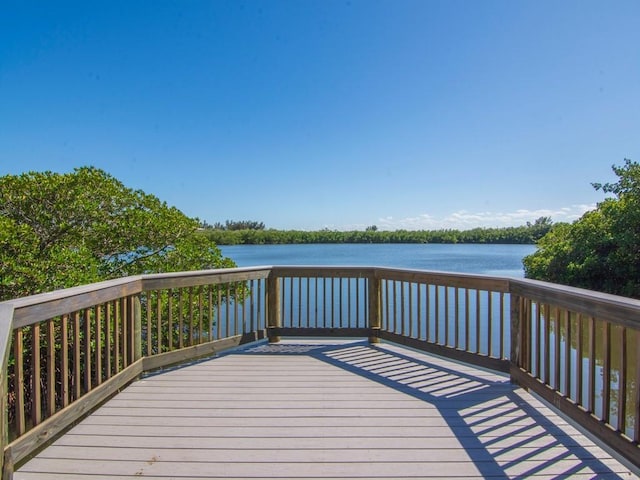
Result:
x=313 y=410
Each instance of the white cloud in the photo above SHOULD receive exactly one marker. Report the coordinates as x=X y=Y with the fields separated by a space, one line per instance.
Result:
x=464 y=219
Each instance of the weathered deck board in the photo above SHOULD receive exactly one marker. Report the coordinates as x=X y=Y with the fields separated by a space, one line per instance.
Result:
x=339 y=411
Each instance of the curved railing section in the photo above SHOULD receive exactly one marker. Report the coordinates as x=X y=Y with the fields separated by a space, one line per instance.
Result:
x=65 y=352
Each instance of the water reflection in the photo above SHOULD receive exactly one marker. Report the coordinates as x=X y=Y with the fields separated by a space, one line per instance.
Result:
x=591 y=361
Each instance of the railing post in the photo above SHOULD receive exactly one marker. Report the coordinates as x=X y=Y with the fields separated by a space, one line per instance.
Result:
x=374 y=308
x=137 y=328
x=516 y=333
x=273 y=306
x=6 y=333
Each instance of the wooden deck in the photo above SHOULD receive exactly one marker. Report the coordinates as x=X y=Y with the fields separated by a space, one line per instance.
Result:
x=330 y=409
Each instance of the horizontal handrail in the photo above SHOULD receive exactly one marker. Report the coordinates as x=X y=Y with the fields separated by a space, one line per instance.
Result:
x=620 y=310
x=84 y=343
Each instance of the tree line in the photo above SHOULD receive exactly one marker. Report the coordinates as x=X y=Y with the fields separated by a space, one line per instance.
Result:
x=525 y=234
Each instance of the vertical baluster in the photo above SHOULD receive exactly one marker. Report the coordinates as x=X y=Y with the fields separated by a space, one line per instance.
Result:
x=300 y=302
x=315 y=303
x=124 y=329
x=446 y=315
x=427 y=311
x=219 y=314
x=308 y=285
x=116 y=337
x=358 y=322
x=394 y=296
x=556 y=354
x=606 y=373
x=521 y=319
x=437 y=313
x=529 y=332
x=319 y=305
x=411 y=288
x=487 y=330
x=236 y=315
x=77 y=377
x=340 y=319
x=467 y=321
x=502 y=325
x=456 y=314
x=547 y=343
x=419 y=309
x=592 y=366
x=51 y=383
x=333 y=282
x=283 y=302
x=210 y=304
x=567 y=355
x=36 y=388
x=579 y=374
x=350 y=322
x=87 y=350
x=99 y=344
x=245 y=293
x=324 y=302
x=478 y=311
x=191 y=341
x=251 y=308
x=622 y=381
x=262 y=304
x=376 y=301
x=200 y=314
x=18 y=353
x=131 y=328
x=490 y=342
x=149 y=323
x=170 y=319
x=227 y=312
x=291 y=316
x=539 y=342
x=236 y=306
x=516 y=304
x=402 y=309
x=526 y=314
x=260 y=321
x=64 y=360
x=108 y=343
x=387 y=318
x=636 y=418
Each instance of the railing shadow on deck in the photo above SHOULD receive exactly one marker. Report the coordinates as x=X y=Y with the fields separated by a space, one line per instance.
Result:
x=492 y=422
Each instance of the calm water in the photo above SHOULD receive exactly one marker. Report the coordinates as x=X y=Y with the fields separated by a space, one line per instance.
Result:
x=499 y=260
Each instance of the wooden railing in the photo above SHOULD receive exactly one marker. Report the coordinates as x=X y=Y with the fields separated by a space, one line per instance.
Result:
x=579 y=350
x=65 y=352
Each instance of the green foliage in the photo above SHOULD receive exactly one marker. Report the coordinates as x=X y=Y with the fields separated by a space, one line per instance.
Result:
x=236 y=225
x=601 y=250
x=60 y=230
x=526 y=234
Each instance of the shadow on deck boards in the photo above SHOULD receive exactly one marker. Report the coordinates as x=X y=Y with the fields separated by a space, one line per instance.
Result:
x=504 y=434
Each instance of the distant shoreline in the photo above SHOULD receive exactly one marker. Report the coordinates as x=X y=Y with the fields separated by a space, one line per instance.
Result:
x=523 y=235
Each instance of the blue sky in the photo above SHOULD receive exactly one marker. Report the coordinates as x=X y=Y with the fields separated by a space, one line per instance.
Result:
x=340 y=114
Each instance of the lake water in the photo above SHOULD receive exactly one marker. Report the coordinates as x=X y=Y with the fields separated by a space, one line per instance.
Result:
x=498 y=260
